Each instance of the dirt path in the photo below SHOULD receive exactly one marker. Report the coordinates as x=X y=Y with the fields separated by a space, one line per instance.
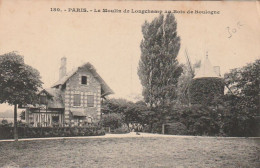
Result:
x=128 y=135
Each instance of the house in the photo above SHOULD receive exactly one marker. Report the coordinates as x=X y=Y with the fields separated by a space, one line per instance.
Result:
x=74 y=100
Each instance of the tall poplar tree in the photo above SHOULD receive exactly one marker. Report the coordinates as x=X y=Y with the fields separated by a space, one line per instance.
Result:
x=159 y=68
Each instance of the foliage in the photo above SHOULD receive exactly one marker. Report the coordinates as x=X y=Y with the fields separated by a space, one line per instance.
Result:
x=113 y=120
x=114 y=105
x=5 y=123
x=120 y=106
x=40 y=132
x=158 y=68
x=136 y=112
x=235 y=117
x=131 y=112
x=244 y=83
x=176 y=128
x=19 y=82
x=206 y=91
x=199 y=120
x=240 y=122
x=184 y=82
x=121 y=130
x=22 y=115
x=243 y=100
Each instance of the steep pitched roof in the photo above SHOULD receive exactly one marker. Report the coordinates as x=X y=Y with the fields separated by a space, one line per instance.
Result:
x=206 y=70
x=106 y=90
x=56 y=100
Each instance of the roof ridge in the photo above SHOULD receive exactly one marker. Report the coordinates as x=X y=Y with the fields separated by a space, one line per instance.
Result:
x=206 y=70
x=104 y=86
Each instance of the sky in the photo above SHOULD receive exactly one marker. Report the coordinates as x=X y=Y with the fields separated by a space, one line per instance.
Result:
x=111 y=41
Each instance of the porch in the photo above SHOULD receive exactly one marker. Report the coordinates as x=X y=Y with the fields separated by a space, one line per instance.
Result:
x=37 y=117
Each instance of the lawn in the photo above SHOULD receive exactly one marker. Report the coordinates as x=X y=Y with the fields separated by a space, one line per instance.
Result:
x=133 y=152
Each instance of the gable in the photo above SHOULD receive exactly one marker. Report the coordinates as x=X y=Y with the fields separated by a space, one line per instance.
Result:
x=83 y=73
x=54 y=97
x=86 y=67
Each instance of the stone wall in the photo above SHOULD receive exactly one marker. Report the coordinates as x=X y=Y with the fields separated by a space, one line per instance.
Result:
x=74 y=86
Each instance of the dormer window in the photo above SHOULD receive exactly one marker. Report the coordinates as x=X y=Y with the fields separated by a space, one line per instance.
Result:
x=83 y=80
x=43 y=99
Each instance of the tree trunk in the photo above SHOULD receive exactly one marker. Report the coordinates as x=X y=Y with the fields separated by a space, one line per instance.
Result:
x=15 y=123
x=163 y=130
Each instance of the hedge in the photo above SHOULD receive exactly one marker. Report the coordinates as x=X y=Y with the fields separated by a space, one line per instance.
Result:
x=121 y=130
x=6 y=132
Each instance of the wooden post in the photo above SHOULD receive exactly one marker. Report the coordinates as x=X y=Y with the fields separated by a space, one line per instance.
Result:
x=46 y=118
x=15 y=123
x=109 y=120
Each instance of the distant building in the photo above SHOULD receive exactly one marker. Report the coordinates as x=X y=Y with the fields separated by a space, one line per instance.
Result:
x=206 y=70
x=75 y=99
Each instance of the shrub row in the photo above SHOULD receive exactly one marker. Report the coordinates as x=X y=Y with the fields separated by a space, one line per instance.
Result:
x=6 y=132
x=121 y=130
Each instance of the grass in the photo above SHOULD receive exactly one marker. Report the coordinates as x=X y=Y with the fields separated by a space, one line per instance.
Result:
x=133 y=152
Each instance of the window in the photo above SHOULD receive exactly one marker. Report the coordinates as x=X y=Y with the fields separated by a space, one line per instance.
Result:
x=83 y=80
x=90 y=100
x=43 y=99
x=76 y=100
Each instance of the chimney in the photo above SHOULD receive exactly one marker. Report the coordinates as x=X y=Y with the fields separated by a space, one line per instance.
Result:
x=217 y=70
x=63 y=67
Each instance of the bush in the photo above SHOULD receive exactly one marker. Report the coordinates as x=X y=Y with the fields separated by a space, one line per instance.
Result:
x=121 y=130
x=198 y=120
x=6 y=132
x=113 y=120
x=4 y=123
x=176 y=128
x=241 y=122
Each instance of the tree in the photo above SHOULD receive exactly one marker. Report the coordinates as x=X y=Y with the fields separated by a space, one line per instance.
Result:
x=184 y=82
x=244 y=83
x=131 y=112
x=112 y=120
x=158 y=68
x=243 y=99
x=114 y=105
x=19 y=83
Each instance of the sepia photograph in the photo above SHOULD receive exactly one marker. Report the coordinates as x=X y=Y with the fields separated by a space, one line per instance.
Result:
x=133 y=84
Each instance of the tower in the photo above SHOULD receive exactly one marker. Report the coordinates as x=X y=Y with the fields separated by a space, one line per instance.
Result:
x=207 y=87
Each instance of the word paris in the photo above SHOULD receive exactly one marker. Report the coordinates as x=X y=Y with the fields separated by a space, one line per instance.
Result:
x=134 y=11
